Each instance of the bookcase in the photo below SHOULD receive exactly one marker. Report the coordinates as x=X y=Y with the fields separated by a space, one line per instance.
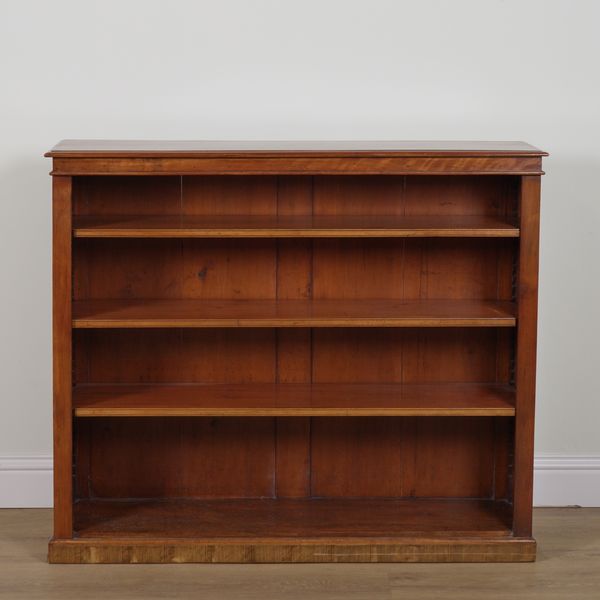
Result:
x=294 y=351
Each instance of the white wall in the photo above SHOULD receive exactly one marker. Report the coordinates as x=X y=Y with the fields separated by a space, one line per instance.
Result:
x=309 y=69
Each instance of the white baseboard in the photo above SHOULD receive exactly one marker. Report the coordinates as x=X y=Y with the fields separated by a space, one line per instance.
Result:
x=26 y=481
x=566 y=480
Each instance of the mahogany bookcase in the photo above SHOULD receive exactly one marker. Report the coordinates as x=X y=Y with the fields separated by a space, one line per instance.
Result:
x=293 y=351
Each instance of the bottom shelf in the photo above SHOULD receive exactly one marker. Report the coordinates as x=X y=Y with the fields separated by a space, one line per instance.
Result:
x=297 y=518
x=292 y=530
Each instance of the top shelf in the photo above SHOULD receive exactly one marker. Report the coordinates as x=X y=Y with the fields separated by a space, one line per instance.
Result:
x=127 y=157
x=259 y=226
x=288 y=148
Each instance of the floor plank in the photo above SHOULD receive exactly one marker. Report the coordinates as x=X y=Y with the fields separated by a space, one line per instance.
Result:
x=567 y=567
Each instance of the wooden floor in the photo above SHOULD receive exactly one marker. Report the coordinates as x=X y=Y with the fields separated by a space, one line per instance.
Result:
x=568 y=567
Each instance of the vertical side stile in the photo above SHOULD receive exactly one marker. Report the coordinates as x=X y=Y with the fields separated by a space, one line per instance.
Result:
x=62 y=352
x=527 y=297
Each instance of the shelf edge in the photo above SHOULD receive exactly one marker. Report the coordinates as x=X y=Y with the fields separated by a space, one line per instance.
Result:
x=309 y=412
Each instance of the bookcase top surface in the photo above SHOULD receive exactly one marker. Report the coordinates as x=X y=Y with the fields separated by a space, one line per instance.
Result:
x=224 y=149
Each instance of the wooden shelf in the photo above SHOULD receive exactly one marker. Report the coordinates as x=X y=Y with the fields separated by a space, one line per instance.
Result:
x=103 y=314
x=279 y=400
x=292 y=530
x=291 y=518
x=252 y=226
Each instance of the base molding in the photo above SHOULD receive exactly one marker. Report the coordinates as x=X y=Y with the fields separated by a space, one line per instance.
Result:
x=25 y=481
x=410 y=550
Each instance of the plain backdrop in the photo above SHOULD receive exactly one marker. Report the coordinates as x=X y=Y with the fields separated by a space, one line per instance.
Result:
x=306 y=69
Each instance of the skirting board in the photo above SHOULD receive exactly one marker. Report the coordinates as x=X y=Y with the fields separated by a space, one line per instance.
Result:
x=566 y=481
x=26 y=482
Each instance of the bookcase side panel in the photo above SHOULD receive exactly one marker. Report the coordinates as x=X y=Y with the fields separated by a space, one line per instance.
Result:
x=527 y=297
x=62 y=356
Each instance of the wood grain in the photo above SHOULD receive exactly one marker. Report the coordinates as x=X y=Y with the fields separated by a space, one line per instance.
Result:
x=290 y=313
x=294 y=400
x=181 y=457
x=403 y=457
x=526 y=353
x=62 y=356
x=176 y=356
x=293 y=346
x=249 y=226
x=245 y=269
x=291 y=518
x=394 y=355
x=126 y=196
x=407 y=270
x=407 y=550
x=460 y=165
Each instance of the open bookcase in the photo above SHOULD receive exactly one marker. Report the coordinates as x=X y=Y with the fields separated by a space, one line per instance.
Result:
x=301 y=352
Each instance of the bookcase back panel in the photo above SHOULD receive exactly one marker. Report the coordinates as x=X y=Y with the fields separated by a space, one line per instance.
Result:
x=174 y=195
x=127 y=195
x=414 y=195
x=410 y=355
x=267 y=355
x=413 y=269
x=203 y=269
x=175 y=458
x=399 y=269
x=175 y=356
x=238 y=458
x=402 y=457
x=290 y=194
x=218 y=195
